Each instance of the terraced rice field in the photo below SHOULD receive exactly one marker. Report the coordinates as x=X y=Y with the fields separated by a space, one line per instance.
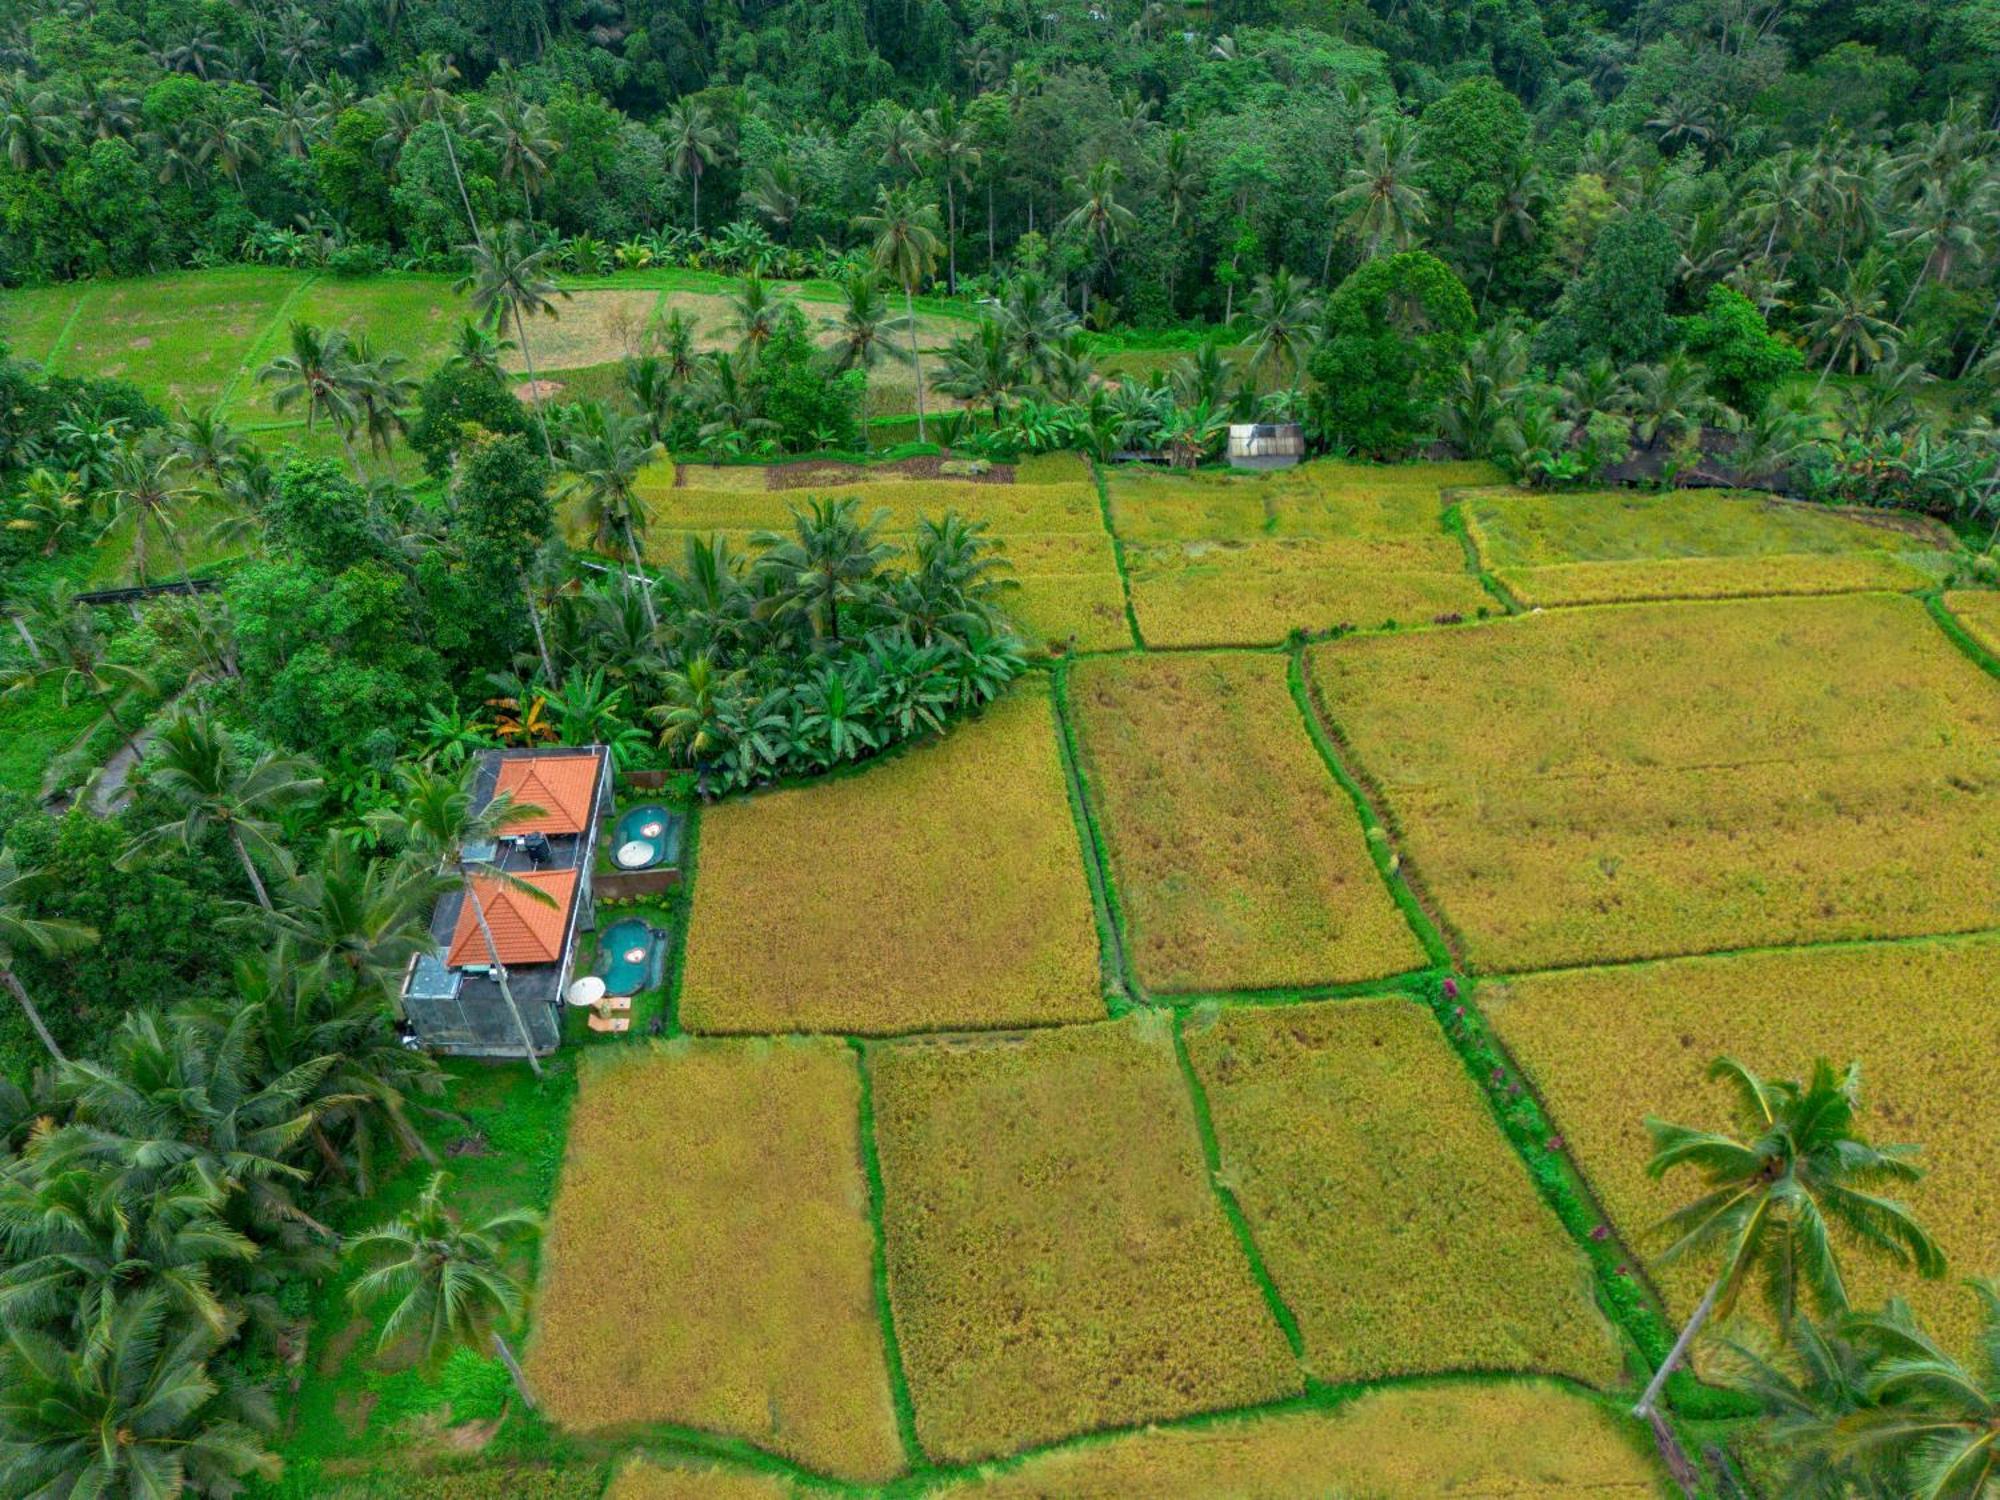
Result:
x=184 y=339
x=708 y=1259
x=1238 y=861
x=1606 y=1047
x=811 y=901
x=1056 y=1260
x=1604 y=547
x=1359 y=1151
x=1978 y=614
x=1586 y=785
x=1219 y=560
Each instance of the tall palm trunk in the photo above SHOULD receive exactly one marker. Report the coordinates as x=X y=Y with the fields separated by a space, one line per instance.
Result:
x=694 y=178
x=534 y=382
x=1676 y=1354
x=27 y=638
x=130 y=736
x=500 y=974
x=541 y=640
x=989 y=226
x=250 y=869
x=639 y=569
x=459 y=177
x=1979 y=345
x=20 y=993
x=916 y=359
x=1831 y=359
x=951 y=238
x=513 y=1369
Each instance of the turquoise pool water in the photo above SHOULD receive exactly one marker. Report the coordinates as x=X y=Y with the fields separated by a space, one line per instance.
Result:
x=624 y=973
x=645 y=836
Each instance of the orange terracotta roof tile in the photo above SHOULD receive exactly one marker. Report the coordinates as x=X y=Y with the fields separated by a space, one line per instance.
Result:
x=524 y=930
x=562 y=786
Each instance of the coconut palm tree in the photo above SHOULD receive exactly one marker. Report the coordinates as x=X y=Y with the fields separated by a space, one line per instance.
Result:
x=903 y=230
x=519 y=134
x=981 y=367
x=360 y=918
x=1379 y=201
x=1772 y=1195
x=436 y=821
x=1847 y=319
x=694 y=144
x=754 y=314
x=197 y=770
x=1100 y=217
x=949 y=143
x=510 y=279
x=129 y=1409
x=603 y=454
x=1283 y=308
x=442 y=1279
x=1810 y=1381
x=431 y=79
x=34 y=123
x=147 y=493
x=824 y=562
x=1933 y=1414
x=74 y=655
x=21 y=932
x=777 y=193
x=319 y=371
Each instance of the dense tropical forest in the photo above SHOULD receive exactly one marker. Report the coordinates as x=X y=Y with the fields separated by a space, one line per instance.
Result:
x=762 y=391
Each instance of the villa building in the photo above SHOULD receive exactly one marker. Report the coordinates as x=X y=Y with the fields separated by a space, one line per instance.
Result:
x=452 y=995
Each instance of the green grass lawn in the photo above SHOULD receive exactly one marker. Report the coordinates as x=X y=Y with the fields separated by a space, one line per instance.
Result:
x=34 y=318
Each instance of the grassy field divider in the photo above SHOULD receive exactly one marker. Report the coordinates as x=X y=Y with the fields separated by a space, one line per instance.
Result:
x=1297 y=994
x=1958 y=635
x=892 y=1349
x=1452 y=518
x=279 y=319
x=682 y=904
x=1117 y=550
x=69 y=326
x=1122 y=989
x=1431 y=929
x=1211 y=1151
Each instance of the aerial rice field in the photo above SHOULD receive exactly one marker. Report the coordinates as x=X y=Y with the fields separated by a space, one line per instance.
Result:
x=32 y=319
x=1607 y=1047
x=1220 y=560
x=812 y=900
x=1057 y=1261
x=1238 y=860
x=1507 y=1441
x=1586 y=785
x=1397 y=1223
x=708 y=1261
x=183 y=338
x=1603 y=547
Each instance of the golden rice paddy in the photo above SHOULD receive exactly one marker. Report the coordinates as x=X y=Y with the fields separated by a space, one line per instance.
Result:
x=1603 y=547
x=1398 y=1224
x=1246 y=559
x=709 y=1260
x=1497 y=1441
x=1239 y=862
x=1586 y=785
x=1608 y=1047
x=1057 y=1260
x=941 y=888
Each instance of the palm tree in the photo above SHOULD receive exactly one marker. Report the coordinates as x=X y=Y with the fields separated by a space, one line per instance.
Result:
x=197 y=770
x=438 y=823
x=898 y=139
x=146 y=491
x=603 y=454
x=443 y=1279
x=694 y=142
x=361 y=918
x=1937 y=1416
x=981 y=367
x=34 y=123
x=519 y=133
x=431 y=79
x=509 y=279
x=1100 y=217
x=1848 y=319
x=1379 y=201
x=822 y=565
x=754 y=314
x=320 y=371
x=1283 y=308
x=777 y=193
x=1809 y=1386
x=1770 y=1197
x=75 y=656
x=905 y=249
x=950 y=143
x=1667 y=399
x=130 y=1409
x=21 y=931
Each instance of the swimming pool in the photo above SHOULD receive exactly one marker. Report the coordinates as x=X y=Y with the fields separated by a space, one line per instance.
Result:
x=629 y=956
x=646 y=836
